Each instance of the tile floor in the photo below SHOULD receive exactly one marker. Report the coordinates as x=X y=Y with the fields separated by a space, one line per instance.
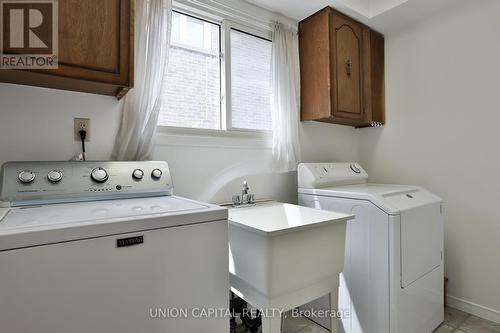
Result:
x=461 y=322
x=455 y=321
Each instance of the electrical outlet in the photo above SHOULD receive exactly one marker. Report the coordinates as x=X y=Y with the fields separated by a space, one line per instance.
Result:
x=81 y=124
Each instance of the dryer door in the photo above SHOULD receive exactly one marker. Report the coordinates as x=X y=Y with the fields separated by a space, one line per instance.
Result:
x=421 y=242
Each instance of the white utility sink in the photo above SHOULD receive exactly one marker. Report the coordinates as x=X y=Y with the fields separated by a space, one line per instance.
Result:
x=282 y=256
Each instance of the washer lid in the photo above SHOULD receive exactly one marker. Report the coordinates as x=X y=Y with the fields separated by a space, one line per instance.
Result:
x=393 y=199
x=36 y=225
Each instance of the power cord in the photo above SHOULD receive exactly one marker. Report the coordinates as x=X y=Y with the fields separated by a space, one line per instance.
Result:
x=83 y=135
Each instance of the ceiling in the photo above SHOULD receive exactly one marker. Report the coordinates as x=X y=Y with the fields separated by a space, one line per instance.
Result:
x=384 y=15
x=296 y=8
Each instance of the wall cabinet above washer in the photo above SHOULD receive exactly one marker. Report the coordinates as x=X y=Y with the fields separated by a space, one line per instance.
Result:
x=342 y=70
x=95 y=49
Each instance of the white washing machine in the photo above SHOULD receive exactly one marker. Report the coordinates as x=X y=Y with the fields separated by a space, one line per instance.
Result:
x=393 y=273
x=106 y=247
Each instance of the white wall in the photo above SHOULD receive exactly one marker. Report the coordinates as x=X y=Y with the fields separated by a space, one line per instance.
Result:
x=443 y=97
x=37 y=123
x=215 y=171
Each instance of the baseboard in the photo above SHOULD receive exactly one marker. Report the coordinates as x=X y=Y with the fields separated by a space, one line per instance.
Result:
x=473 y=308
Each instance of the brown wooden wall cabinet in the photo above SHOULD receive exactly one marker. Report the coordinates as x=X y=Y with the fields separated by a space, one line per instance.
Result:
x=96 y=49
x=342 y=70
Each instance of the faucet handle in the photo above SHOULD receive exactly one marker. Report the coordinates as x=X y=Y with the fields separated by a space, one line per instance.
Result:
x=236 y=200
x=250 y=199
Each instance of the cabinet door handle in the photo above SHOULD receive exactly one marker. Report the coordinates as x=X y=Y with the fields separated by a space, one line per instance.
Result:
x=348 y=67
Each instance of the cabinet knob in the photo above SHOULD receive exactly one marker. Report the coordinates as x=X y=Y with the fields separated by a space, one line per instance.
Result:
x=348 y=67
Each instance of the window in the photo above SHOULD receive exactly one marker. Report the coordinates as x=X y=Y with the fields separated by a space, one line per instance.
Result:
x=193 y=95
x=250 y=81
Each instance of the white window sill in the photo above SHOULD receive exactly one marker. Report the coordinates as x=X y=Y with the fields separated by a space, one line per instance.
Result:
x=195 y=137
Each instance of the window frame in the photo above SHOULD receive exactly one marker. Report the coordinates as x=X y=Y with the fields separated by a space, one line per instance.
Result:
x=226 y=25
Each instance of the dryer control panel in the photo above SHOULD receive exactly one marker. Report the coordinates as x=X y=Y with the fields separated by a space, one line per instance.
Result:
x=319 y=175
x=28 y=183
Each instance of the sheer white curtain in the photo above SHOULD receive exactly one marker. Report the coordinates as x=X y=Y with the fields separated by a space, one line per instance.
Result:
x=141 y=106
x=286 y=94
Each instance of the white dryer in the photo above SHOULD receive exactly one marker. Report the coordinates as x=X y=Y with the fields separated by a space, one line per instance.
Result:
x=393 y=273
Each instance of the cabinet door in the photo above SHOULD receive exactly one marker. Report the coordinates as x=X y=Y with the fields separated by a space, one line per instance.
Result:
x=93 y=40
x=96 y=41
x=347 y=45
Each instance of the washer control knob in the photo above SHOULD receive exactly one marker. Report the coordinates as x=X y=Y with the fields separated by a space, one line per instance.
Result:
x=55 y=176
x=99 y=175
x=356 y=168
x=138 y=174
x=156 y=173
x=26 y=176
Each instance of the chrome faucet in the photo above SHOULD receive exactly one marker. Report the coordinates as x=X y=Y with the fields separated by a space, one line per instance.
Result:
x=246 y=199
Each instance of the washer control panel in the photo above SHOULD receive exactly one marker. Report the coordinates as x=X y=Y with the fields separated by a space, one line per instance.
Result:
x=27 y=183
x=318 y=175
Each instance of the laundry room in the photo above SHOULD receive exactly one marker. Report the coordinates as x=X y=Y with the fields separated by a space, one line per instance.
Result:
x=249 y=165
